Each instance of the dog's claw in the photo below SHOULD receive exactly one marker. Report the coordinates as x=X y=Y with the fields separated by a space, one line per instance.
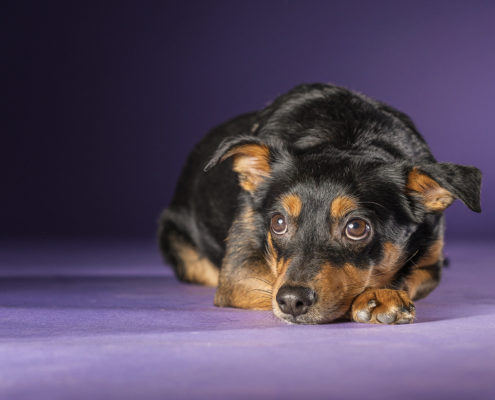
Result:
x=385 y=318
x=363 y=315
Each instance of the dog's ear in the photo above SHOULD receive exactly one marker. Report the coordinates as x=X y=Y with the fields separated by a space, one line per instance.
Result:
x=251 y=159
x=437 y=185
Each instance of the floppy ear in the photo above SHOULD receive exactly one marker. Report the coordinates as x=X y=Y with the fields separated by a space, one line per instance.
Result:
x=251 y=160
x=438 y=184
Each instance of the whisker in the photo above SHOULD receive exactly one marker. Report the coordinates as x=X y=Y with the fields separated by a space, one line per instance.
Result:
x=410 y=258
x=262 y=280
x=371 y=202
x=269 y=292
x=379 y=273
x=255 y=278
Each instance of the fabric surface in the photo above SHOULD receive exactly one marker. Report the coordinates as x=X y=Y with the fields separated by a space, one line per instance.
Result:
x=109 y=320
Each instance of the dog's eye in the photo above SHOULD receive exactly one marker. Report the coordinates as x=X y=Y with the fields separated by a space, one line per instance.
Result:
x=278 y=224
x=357 y=229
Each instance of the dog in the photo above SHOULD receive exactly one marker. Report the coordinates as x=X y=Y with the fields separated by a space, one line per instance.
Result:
x=325 y=205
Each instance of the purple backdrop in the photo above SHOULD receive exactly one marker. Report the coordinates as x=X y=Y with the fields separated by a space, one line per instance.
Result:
x=105 y=99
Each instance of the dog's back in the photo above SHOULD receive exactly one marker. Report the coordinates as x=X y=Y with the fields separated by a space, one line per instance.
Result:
x=312 y=117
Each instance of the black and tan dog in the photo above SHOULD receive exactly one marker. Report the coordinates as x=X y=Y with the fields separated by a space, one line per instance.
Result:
x=324 y=205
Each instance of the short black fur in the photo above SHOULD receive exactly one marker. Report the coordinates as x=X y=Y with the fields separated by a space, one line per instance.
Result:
x=324 y=142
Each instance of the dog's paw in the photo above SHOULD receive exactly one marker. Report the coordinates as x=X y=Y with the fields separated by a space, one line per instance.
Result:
x=383 y=306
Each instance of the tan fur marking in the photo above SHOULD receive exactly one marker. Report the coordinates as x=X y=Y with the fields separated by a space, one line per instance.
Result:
x=254 y=293
x=247 y=286
x=197 y=269
x=251 y=162
x=338 y=286
x=435 y=197
x=282 y=267
x=416 y=280
x=433 y=255
x=426 y=273
x=341 y=205
x=279 y=268
x=292 y=204
x=245 y=278
x=271 y=255
x=393 y=258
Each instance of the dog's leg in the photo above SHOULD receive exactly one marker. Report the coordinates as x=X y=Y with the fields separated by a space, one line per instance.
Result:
x=178 y=249
x=246 y=280
x=426 y=272
x=423 y=280
x=390 y=306
x=191 y=266
x=245 y=285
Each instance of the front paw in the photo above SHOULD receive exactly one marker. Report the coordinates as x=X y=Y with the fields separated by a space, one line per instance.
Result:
x=383 y=306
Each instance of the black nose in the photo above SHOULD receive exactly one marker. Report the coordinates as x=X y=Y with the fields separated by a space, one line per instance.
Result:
x=295 y=300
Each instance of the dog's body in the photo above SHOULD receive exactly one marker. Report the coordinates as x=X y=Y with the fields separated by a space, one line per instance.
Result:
x=328 y=205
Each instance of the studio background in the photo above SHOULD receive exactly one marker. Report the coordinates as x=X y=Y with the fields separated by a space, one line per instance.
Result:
x=104 y=100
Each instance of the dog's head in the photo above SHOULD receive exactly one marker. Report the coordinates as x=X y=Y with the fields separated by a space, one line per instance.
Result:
x=336 y=222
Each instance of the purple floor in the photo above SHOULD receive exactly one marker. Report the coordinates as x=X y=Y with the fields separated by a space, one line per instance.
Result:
x=110 y=321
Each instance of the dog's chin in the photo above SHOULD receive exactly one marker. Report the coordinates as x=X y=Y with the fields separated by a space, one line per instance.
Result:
x=307 y=319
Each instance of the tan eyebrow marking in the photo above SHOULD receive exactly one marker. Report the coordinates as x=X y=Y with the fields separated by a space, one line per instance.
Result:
x=341 y=205
x=293 y=204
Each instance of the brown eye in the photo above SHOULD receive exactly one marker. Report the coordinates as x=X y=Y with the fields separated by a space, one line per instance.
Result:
x=357 y=229
x=278 y=224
